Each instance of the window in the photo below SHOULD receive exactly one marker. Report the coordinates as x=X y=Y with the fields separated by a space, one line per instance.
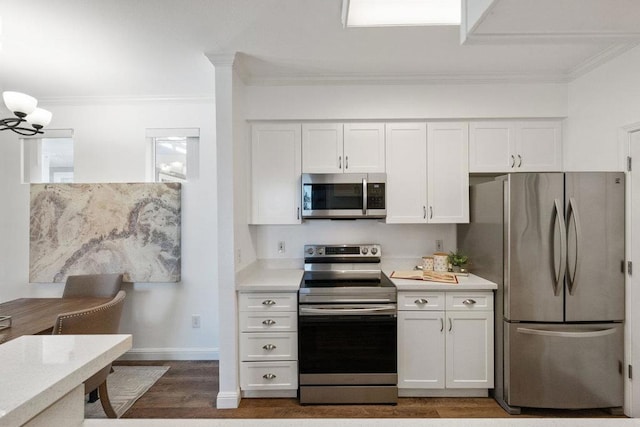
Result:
x=173 y=154
x=48 y=158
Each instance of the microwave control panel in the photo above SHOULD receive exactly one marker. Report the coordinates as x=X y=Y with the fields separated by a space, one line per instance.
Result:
x=375 y=196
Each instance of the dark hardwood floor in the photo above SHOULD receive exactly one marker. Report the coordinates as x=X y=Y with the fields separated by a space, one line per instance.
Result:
x=189 y=389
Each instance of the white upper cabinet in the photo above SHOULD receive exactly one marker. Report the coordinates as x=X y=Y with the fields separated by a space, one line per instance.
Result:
x=364 y=148
x=322 y=148
x=406 y=152
x=515 y=146
x=539 y=146
x=275 y=174
x=338 y=148
x=491 y=145
x=448 y=172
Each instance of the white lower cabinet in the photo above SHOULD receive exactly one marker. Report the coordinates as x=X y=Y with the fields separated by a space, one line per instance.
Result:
x=268 y=344
x=445 y=343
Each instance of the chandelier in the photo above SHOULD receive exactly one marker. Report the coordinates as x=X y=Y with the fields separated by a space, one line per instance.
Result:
x=25 y=109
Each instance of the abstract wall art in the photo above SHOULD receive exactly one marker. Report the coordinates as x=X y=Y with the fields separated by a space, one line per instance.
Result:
x=130 y=228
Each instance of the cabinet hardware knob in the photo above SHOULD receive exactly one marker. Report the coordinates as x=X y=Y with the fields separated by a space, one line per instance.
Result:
x=268 y=302
x=346 y=162
x=519 y=160
x=469 y=301
x=269 y=347
x=268 y=322
x=269 y=376
x=339 y=162
x=421 y=301
x=430 y=212
x=424 y=212
x=450 y=324
x=513 y=160
x=298 y=213
x=441 y=324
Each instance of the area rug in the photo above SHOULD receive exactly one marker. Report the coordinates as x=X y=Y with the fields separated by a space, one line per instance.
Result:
x=126 y=384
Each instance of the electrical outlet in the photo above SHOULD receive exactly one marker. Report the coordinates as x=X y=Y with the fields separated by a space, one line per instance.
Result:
x=439 y=245
x=195 y=321
x=281 y=249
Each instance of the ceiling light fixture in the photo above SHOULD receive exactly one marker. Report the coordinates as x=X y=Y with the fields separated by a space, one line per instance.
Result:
x=25 y=109
x=380 y=13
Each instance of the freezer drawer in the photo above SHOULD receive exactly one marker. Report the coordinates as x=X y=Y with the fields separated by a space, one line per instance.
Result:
x=564 y=366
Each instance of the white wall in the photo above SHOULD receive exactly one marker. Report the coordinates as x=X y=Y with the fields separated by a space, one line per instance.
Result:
x=600 y=104
x=110 y=146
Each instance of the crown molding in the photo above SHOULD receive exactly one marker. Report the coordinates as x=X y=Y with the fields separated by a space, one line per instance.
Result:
x=359 y=79
x=112 y=100
x=599 y=59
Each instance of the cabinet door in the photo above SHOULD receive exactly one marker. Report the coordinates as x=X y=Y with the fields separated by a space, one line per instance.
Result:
x=322 y=148
x=469 y=349
x=491 y=146
x=448 y=172
x=406 y=152
x=421 y=361
x=275 y=174
x=539 y=146
x=364 y=148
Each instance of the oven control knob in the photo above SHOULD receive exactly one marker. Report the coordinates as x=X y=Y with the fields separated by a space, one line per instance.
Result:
x=364 y=250
x=310 y=251
x=320 y=251
x=374 y=250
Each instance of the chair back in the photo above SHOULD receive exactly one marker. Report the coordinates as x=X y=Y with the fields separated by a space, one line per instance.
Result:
x=103 y=319
x=92 y=285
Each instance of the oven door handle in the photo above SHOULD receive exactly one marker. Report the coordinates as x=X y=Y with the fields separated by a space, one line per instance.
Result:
x=348 y=310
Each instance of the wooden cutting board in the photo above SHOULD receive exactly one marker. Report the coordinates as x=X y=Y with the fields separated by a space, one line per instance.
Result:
x=431 y=276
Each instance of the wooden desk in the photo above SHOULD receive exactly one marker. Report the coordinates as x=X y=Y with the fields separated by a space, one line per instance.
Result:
x=33 y=316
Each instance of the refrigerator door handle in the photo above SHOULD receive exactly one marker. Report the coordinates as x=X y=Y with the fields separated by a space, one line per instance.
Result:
x=573 y=214
x=563 y=249
x=567 y=334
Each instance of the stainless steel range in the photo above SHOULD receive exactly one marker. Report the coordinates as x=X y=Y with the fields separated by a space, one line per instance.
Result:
x=347 y=327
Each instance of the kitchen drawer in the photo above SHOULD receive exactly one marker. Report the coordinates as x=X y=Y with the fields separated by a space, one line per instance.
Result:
x=269 y=375
x=268 y=346
x=428 y=301
x=264 y=322
x=268 y=301
x=469 y=301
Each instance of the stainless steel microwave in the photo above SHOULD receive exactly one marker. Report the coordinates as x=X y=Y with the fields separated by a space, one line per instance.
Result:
x=344 y=195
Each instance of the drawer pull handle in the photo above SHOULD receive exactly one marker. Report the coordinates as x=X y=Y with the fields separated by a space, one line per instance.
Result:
x=469 y=301
x=269 y=347
x=268 y=302
x=269 y=376
x=268 y=322
x=421 y=301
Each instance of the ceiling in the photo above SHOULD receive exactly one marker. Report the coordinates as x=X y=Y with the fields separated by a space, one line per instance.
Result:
x=79 y=49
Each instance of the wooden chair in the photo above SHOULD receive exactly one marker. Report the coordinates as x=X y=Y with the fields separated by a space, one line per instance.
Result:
x=103 y=319
x=92 y=285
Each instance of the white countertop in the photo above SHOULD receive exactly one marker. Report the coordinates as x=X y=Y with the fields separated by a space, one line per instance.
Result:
x=257 y=278
x=469 y=283
x=264 y=276
x=38 y=370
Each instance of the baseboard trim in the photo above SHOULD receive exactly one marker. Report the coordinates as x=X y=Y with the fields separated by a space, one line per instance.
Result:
x=171 y=354
x=445 y=392
x=228 y=399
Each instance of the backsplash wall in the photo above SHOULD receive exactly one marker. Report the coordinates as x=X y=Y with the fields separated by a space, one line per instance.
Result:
x=397 y=240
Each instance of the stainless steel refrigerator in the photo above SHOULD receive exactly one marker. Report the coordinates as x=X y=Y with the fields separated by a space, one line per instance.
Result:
x=554 y=243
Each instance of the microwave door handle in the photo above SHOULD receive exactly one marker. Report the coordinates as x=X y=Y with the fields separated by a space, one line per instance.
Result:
x=364 y=196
